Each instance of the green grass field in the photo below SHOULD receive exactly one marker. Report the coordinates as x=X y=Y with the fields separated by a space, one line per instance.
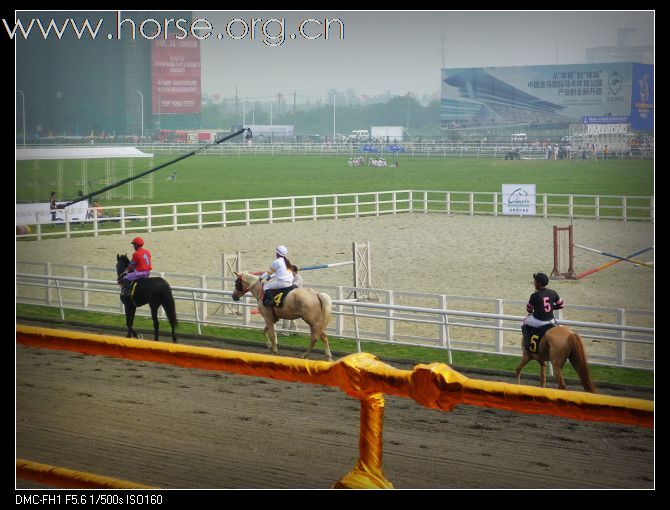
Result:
x=387 y=352
x=202 y=178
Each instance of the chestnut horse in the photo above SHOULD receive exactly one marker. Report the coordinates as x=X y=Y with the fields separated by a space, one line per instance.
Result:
x=558 y=345
x=302 y=303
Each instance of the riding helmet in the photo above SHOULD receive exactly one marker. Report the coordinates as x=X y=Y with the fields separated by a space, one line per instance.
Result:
x=281 y=250
x=541 y=279
x=138 y=241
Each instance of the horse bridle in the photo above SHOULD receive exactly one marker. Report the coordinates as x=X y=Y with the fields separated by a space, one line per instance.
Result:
x=241 y=291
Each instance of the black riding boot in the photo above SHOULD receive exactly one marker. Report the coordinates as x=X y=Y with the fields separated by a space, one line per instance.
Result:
x=525 y=331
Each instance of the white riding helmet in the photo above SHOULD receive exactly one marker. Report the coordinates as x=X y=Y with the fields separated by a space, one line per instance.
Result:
x=281 y=250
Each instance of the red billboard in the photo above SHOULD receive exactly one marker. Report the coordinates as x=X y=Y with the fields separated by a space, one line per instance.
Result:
x=175 y=75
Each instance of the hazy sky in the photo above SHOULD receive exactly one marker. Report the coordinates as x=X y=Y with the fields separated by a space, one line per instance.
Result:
x=396 y=51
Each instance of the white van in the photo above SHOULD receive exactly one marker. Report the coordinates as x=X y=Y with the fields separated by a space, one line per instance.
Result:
x=359 y=134
x=519 y=137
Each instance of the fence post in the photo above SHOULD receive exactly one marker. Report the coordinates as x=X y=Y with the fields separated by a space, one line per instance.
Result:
x=390 y=324
x=247 y=215
x=597 y=207
x=425 y=202
x=67 y=223
x=223 y=213
x=339 y=318
x=123 y=220
x=356 y=329
x=197 y=315
x=376 y=204
x=149 y=223
x=621 y=335
x=95 y=221
x=369 y=464
x=499 y=324
x=314 y=213
x=545 y=204
x=60 y=301
x=495 y=204
x=49 y=291
x=624 y=208
x=394 y=200
x=335 y=204
x=411 y=201
x=203 y=286
x=472 y=204
x=571 y=205
x=39 y=227
x=174 y=217
x=84 y=293
x=448 y=202
x=199 y=211
x=270 y=215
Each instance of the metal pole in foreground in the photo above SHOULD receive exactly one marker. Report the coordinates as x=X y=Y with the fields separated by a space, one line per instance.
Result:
x=142 y=107
x=23 y=114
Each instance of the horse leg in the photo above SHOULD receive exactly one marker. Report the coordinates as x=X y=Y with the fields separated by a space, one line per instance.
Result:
x=270 y=333
x=525 y=358
x=558 y=373
x=130 y=317
x=543 y=374
x=324 y=339
x=154 y=317
x=312 y=342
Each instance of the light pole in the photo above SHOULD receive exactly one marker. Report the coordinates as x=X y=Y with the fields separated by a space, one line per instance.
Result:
x=23 y=114
x=142 y=110
x=334 y=94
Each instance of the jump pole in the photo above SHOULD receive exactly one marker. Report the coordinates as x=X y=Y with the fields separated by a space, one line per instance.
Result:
x=621 y=259
x=608 y=264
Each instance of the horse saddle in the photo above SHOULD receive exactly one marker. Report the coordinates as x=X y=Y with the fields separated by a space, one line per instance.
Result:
x=533 y=336
x=276 y=297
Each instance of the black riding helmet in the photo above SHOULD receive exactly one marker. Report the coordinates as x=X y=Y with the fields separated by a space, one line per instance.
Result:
x=541 y=278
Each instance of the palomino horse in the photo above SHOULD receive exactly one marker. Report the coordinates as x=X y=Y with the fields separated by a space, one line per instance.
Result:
x=303 y=303
x=558 y=345
x=154 y=291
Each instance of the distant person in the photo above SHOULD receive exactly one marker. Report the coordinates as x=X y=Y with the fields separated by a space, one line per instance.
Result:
x=605 y=152
x=53 y=206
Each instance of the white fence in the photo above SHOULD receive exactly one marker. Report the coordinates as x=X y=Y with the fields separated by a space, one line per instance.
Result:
x=224 y=213
x=615 y=337
x=410 y=149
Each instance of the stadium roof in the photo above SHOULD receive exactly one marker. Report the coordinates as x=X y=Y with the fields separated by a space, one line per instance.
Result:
x=80 y=153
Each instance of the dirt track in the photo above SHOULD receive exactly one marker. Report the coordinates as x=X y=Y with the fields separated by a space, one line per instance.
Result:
x=181 y=428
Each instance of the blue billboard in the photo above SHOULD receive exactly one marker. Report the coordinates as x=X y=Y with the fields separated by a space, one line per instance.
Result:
x=549 y=94
x=642 y=101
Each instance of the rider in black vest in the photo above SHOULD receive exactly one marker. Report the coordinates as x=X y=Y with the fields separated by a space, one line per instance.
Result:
x=540 y=306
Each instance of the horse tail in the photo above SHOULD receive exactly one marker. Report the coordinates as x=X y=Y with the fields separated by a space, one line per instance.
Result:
x=578 y=360
x=326 y=306
x=170 y=308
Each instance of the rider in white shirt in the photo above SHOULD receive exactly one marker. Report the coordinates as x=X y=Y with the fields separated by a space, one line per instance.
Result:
x=279 y=274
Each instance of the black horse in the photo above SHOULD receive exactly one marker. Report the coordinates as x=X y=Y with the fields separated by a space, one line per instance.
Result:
x=154 y=291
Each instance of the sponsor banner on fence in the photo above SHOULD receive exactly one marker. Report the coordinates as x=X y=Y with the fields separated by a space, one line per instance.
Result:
x=518 y=199
x=607 y=129
x=30 y=214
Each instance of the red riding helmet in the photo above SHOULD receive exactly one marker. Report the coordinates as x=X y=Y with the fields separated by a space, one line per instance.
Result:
x=138 y=241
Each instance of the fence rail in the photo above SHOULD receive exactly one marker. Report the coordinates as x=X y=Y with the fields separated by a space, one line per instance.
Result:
x=225 y=213
x=389 y=150
x=425 y=320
